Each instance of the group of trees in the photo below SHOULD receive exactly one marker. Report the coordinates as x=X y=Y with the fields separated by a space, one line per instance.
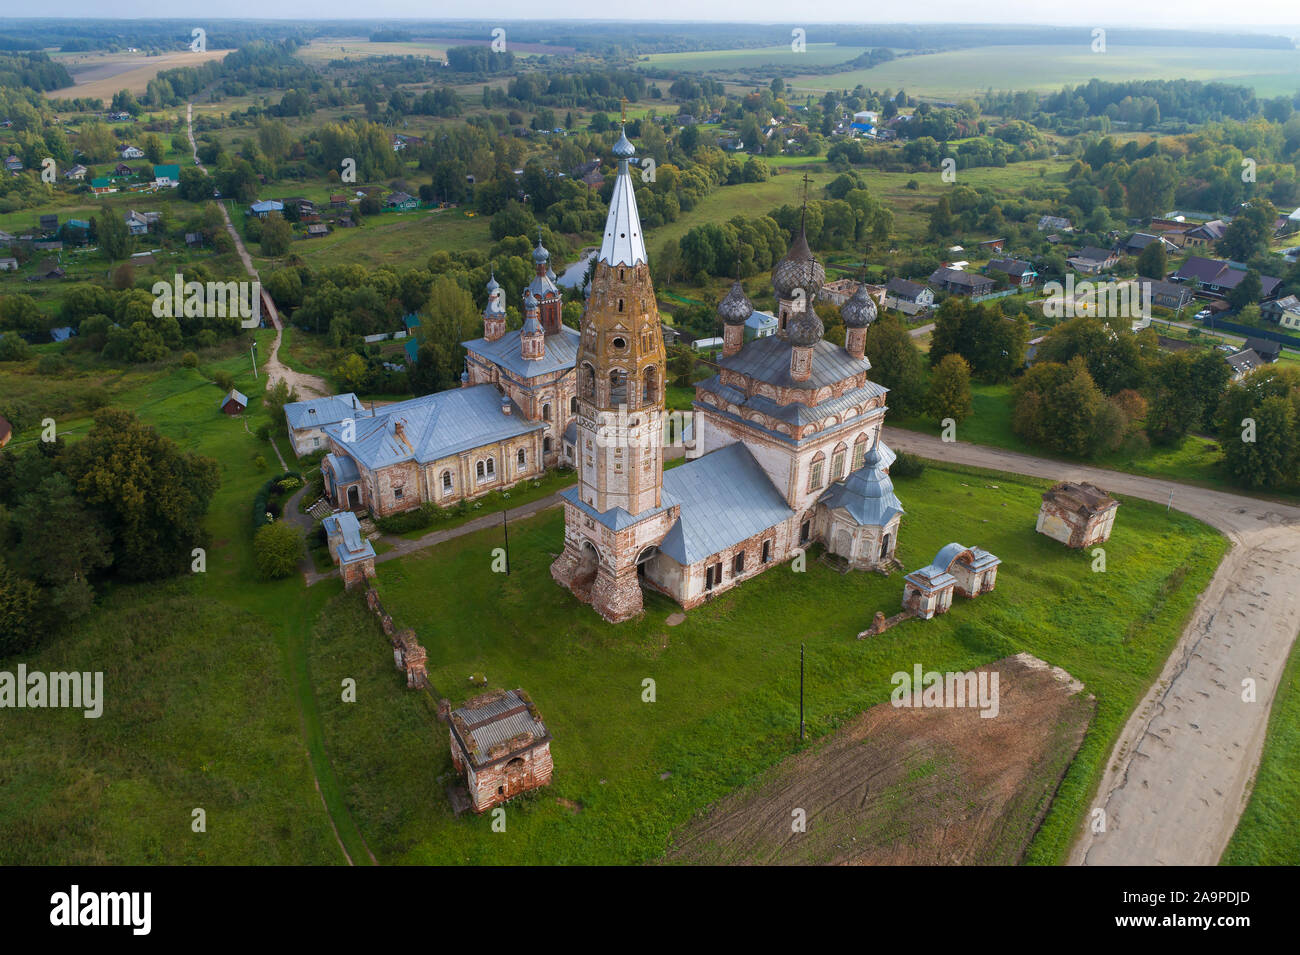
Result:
x=124 y=503
x=991 y=342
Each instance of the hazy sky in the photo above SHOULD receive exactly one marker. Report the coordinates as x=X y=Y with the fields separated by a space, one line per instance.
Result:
x=1175 y=14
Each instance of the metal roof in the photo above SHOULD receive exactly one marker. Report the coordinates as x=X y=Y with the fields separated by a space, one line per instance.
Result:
x=561 y=352
x=323 y=411
x=352 y=546
x=497 y=721
x=867 y=494
x=623 y=242
x=768 y=360
x=616 y=518
x=725 y=497
x=344 y=468
x=433 y=426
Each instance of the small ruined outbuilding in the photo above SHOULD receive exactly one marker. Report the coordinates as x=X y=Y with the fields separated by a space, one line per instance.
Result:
x=970 y=571
x=352 y=552
x=1077 y=514
x=499 y=743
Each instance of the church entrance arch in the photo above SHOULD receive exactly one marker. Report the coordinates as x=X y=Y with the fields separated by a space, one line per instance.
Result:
x=354 y=498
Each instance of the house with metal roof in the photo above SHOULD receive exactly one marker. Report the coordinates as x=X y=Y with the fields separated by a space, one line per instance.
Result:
x=234 y=402
x=501 y=746
x=907 y=297
x=1217 y=277
x=440 y=448
x=307 y=419
x=265 y=207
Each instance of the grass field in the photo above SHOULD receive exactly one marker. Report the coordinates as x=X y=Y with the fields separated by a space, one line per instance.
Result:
x=727 y=61
x=727 y=678
x=955 y=74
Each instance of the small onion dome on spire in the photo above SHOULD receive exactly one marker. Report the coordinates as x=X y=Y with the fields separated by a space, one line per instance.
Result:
x=624 y=149
x=798 y=270
x=805 y=328
x=735 y=307
x=532 y=326
x=492 y=285
x=530 y=301
x=860 y=310
x=540 y=254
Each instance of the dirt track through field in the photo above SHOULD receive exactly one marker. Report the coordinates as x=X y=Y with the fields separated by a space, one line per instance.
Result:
x=932 y=786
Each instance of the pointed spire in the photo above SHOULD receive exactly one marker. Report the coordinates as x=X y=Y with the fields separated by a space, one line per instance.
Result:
x=623 y=243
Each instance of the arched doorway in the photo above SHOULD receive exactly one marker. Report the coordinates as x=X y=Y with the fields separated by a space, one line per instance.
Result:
x=644 y=558
x=884 y=547
x=516 y=778
x=354 y=498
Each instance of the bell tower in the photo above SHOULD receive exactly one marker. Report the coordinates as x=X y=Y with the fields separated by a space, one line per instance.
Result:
x=615 y=516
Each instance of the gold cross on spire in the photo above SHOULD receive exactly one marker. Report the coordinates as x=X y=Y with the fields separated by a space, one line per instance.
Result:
x=623 y=104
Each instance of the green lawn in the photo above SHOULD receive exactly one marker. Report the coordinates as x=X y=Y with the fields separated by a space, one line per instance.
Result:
x=727 y=678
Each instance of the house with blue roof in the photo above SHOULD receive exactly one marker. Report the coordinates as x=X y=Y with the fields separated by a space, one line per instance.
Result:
x=441 y=448
x=354 y=555
x=265 y=207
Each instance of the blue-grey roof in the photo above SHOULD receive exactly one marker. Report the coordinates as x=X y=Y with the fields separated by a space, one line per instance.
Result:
x=867 y=494
x=561 y=352
x=761 y=320
x=268 y=205
x=571 y=432
x=768 y=359
x=344 y=468
x=323 y=411
x=541 y=286
x=432 y=427
x=237 y=395
x=353 y=546
x=616 y=518
x=726 y=497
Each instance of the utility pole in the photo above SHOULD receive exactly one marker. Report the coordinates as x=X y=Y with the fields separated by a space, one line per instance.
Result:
x=252 y=353
x=802 y=726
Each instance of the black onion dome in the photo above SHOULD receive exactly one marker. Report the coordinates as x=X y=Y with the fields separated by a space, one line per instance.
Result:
x=860 y=310
x=735 y=307
x=798 y=270
x=805 y=328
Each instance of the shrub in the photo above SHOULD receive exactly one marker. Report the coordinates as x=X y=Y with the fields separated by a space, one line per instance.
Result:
x=277 y=548
x=189 y=360
x=415 y=519
x=13 y=348
x=52 y=364
x=223 y=379
x=907 y=465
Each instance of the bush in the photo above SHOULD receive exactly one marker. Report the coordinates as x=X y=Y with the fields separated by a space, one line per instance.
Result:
x=415 y=519
x=262 y=501
x=277 y=548
x=189 y=360
x=13 y=348
x=907 y=465
x=52 y=364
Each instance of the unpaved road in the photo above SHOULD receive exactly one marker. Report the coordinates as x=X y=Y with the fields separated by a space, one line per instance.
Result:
x=306 y=385
x=909 y=786
x=1182 y=769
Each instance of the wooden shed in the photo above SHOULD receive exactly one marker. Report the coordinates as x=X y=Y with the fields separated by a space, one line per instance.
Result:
x=234 y=403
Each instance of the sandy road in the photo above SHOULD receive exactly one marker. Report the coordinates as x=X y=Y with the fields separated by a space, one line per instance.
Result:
x=1182 y=769
x=306 y=385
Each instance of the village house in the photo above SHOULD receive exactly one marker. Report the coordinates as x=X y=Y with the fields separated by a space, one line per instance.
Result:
x=1020 y=272
x=354 y=555
x=1216 y=277
x=130 y=152
x=265 y=207
x=779 y=430
x=960 y=282
x=1267 y=349
x=1207 y=233
x=1284 y=311
x=77 y=173
x=8 y=264
x=1077 y=514
x=166 y=176
x=1054 y=224
x=234 y=403
x=401 y=201
x=13 y=164
x=1170 y=295
x=907 y=297
x=1138 y=241
x=1091 y=260
x=501 y=746
x=760 y=325
x=1244 y=362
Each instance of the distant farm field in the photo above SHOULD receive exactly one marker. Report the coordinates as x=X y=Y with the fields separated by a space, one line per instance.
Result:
x=815 y=54
x=958 y=73
x=103 y=74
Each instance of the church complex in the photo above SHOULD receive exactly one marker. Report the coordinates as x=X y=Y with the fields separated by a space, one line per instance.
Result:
x=788 y=432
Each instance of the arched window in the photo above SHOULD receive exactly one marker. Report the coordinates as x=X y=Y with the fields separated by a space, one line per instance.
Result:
x=480 y=470
x=446 y=481
x=620 y=305
x=816 y=473
x=588 y=382
x=546 y=445
x=573 y=405
x=618 y=387
x=491 y=466
x=837 y=462
x=546 y=412
x=650 y=384
x=859 y=450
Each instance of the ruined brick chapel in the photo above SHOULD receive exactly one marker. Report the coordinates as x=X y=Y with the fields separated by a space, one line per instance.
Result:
x=788 y=435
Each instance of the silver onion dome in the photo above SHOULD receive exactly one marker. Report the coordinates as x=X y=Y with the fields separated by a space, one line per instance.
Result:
x=735 y=307
x=860 y=310
x=624 y=149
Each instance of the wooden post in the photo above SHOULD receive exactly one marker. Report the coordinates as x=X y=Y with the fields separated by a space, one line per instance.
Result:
x=802 y=726
x=505 y=530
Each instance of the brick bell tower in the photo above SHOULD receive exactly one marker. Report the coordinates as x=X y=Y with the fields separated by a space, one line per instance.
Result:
x=614 y=517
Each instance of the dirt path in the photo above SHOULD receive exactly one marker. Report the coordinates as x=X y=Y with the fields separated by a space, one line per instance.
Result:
x=1182 y=769
x=307 y=386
